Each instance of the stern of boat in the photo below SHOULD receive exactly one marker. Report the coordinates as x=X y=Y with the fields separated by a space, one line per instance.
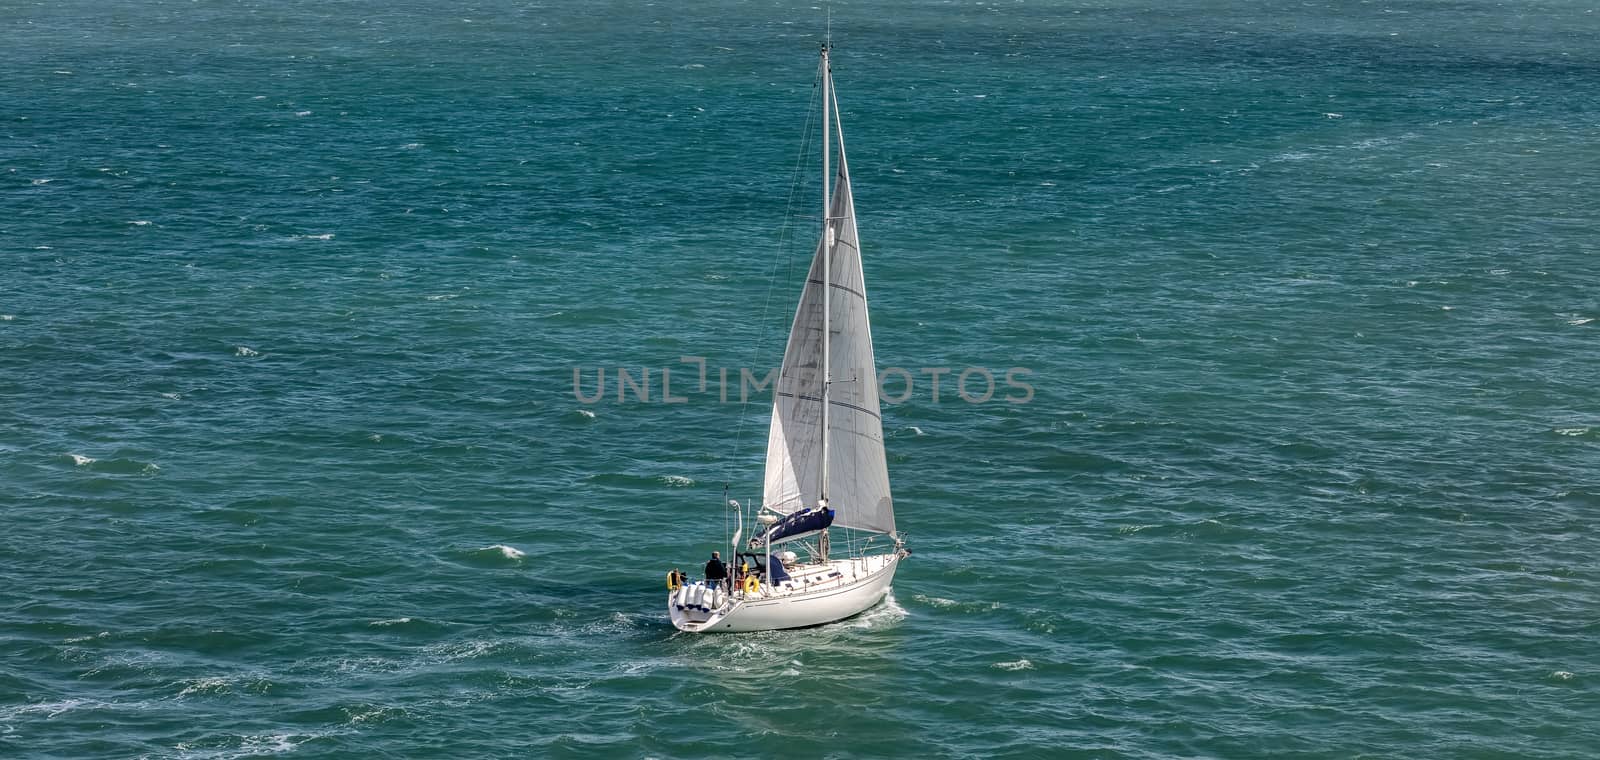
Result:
x=697 y=607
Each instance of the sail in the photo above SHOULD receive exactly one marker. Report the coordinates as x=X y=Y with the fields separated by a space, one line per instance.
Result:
x=858 y=476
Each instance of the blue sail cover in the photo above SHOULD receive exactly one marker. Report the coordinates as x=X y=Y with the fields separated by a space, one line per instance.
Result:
x=793 y=526
x=775 y=572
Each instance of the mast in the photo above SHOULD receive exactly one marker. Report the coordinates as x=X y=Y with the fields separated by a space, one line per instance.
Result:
x=827 y=262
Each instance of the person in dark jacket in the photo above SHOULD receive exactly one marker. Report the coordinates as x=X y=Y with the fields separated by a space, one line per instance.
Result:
x=716 y=572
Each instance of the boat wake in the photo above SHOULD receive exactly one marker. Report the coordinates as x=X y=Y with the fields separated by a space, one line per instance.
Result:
x=886 y=615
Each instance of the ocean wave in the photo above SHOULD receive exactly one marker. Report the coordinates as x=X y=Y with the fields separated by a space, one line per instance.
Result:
x=373 y=714
x=886 y=614
x=640 y=482
x=205 y=686
x=248 y=745
x=47 y=709
x=491 y=556
x=509 y=552
x=935 y=601
x=1022 y=664
x=115 y=466
x=456 y=651
x=956 y=605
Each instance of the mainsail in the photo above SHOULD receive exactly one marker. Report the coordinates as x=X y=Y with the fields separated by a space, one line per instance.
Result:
x=858 y=476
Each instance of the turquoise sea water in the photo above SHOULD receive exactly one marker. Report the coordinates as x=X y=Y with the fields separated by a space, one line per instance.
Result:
x=292 y=294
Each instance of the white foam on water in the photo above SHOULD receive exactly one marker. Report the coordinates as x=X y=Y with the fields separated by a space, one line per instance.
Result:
x=1022 y=664
x=302 y=113
x=140 y=223
x=386 y=623
x=1572 y=431
x=443 y=297
x=48 y=709
x=637 y=667
x=268 y=744
x=509 y=552
x=676 y=481
x=888 y=613
x=173 y=396
x=411 y=146
x=255 y=745
x=204 y=686
x=323 y=236
x=375 y=713
x=81 y=460
x=1580 y=321
x=7 y=317
x=935 y=600
x=245 y=351
x=1561 y=675
x=585 y=412
x=80 y=639
x=42 y=181
x=465 y=650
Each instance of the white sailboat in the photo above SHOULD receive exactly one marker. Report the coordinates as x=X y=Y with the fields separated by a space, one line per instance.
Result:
x=826 y=469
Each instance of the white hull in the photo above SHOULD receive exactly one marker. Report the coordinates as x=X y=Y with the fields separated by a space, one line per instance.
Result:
x=820 y=593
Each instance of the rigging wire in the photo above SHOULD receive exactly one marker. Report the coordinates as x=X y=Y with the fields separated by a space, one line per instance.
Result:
x=785 y=246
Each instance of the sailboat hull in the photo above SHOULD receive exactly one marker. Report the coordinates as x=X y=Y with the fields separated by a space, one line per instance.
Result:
x=814 y=598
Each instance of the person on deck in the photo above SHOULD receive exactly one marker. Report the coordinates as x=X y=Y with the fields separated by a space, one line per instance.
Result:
x=716 y=572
